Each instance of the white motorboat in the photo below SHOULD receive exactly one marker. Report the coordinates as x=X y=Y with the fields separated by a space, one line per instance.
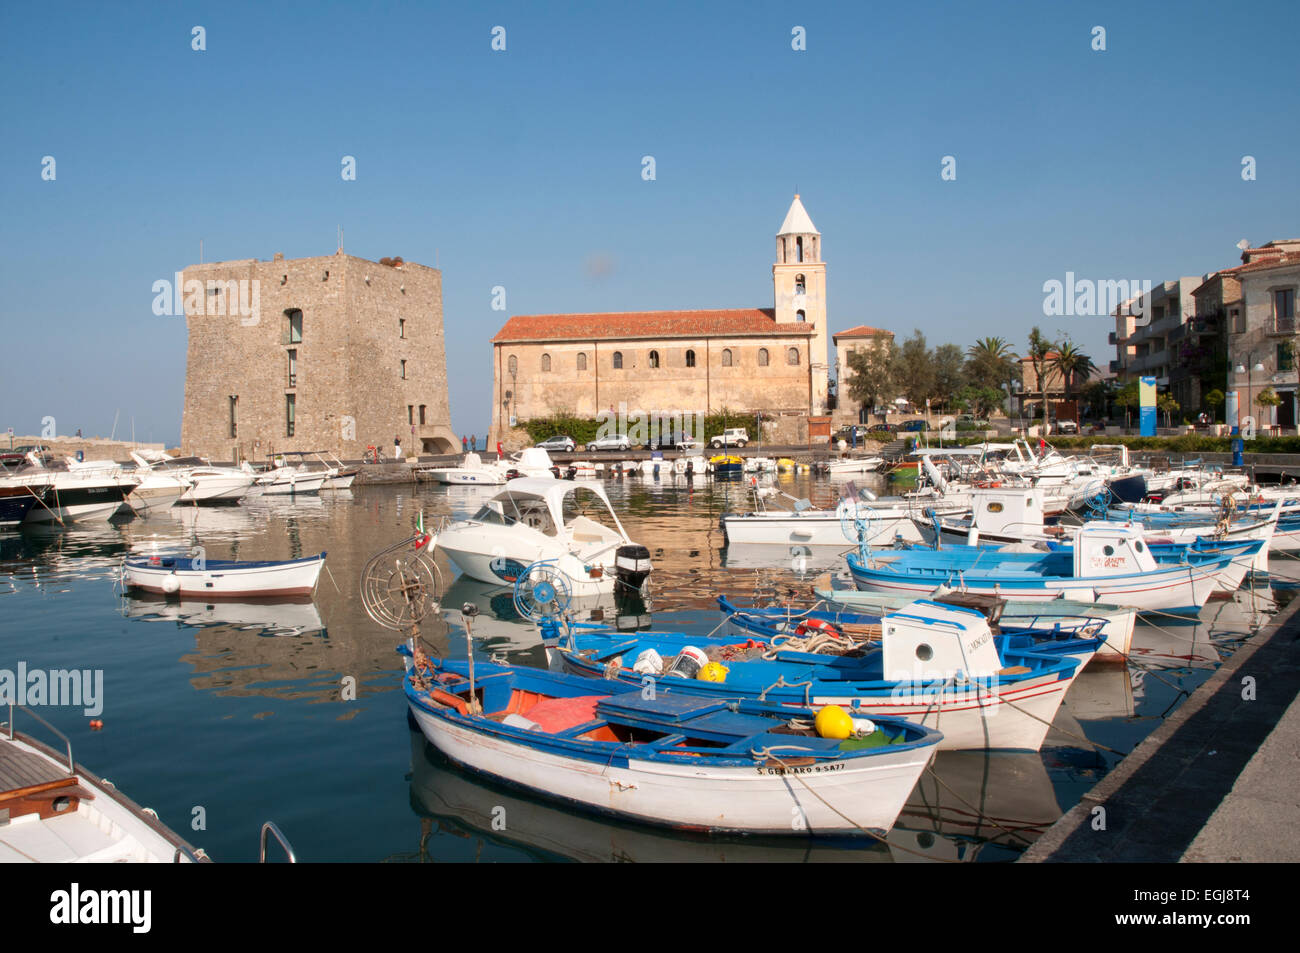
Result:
x=210 y=484
x=854 y=465
x=555 y=522
x=472 y=471
x=72 y=496
x=287 y=480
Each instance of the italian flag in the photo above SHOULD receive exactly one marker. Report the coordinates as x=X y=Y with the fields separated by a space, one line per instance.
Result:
x=421 y=536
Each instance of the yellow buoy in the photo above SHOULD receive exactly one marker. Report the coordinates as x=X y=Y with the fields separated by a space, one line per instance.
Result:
x=833 y=722
x=713 y=672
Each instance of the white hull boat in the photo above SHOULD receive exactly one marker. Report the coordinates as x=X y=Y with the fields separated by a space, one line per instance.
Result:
x=183 y=575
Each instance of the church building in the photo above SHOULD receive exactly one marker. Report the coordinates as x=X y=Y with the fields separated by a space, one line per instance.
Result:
x=744 y=360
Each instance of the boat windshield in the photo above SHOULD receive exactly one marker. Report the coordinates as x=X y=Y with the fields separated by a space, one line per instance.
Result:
x=514 y=511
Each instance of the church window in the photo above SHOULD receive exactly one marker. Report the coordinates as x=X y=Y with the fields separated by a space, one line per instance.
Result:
x=654 y=358
x=792 y=356
x=546 y=362
x=800 y=316
x=726 y=357
x=762 y=357
x=513 y=365
x=618 y=360
x=582 y=362
x=690 y=358
x=799 y=285
x=798 y=249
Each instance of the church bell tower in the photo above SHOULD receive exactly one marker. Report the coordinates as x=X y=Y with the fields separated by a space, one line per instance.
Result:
x=799 y=285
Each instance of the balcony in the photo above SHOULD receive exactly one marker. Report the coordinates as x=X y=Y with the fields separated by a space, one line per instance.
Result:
x=1283 y=326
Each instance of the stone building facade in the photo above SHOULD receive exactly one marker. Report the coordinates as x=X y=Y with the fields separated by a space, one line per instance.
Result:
x=744 y=360
x=1262 y=337
x=330 y=353
x=848 y=410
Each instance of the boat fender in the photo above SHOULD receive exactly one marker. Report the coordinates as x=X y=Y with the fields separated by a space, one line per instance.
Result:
x=519 y=721
x=449 y=700
x=171 y=584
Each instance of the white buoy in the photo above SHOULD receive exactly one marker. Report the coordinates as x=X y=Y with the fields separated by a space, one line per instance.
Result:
x=171 y=584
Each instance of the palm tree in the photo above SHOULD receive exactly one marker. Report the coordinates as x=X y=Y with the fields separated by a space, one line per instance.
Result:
x=1071 y=361
x=990 y=362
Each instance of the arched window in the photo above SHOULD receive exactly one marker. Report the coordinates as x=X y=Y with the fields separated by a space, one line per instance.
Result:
x=792 y=356
x=798 y=249
x=690 y=358
x=762 y=357
x=582 y=362
x=654 y=358
x=546 y=362
x=618 y=360
x=513 y=364
x=800 y=316
x=799 y=286
x=726 y=357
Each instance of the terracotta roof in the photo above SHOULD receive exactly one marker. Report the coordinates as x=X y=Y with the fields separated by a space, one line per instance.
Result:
x=1260 y=264
x=619 y=325
x=861 y=331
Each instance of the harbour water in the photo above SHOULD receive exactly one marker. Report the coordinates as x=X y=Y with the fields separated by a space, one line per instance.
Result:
x=222 y=715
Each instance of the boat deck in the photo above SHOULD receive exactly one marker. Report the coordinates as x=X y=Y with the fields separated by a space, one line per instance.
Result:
x=23 y=769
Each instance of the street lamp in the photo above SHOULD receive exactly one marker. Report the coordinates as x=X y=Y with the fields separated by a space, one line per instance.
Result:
x=1258 y=368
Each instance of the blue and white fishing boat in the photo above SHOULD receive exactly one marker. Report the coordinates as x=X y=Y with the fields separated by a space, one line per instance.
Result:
x=1108 y=563
x=667 y=757
x=935 y=664
x=184 y=575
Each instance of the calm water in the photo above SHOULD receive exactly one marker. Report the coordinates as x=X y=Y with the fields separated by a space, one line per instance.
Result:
x=228 y=714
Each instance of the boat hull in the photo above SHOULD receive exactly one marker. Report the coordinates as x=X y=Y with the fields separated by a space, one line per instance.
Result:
x=182 y=576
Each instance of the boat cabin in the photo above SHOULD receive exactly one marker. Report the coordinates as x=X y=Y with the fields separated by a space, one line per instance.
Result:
x=929 y=640
x=582 y=511
x=1111 y=549
x=1007 y=511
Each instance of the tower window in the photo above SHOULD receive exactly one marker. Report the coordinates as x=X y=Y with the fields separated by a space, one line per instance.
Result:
x=293 y=367
x=798 y=249
x=422 y=407
x=403 y=370
x=726 y=357
x=762 y=357
x=800 y=316
x=799 y=285
x=654 y=358
x=295 y=325
x=513 y=364
x=792 y=356
x=618 y=360
x=290 y=406
x=234 y=426
x=410 y=413
x=690 y=358
x=546 y=362
x=582 y=362
x=401 y=327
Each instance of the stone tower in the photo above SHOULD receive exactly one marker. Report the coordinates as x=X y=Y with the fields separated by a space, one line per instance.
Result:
x=799 y=284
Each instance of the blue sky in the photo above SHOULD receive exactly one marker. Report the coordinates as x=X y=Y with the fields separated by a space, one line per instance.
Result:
x=520 y=168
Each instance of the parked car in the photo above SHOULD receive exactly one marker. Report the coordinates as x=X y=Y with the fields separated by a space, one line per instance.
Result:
x=18 y=455
x=613 y=441
x=913 y=426
x=675 y=441
x=559 y=442
x=847 y=433
x=731 y=437
x=883 y=428
x=1067 y=426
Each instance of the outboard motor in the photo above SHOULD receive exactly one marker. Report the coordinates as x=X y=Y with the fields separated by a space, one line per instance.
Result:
x=512 y=474
x=571 y=473
x=631 y=565
x=690 y=468
x=555 y=472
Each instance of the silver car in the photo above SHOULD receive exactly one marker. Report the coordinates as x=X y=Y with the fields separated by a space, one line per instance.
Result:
x=559 y=442
x=614 y=441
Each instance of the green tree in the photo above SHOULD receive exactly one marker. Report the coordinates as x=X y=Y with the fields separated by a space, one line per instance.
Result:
x=916 y=374
x=1127 y=397
x=1071 y=361
x=1267 y=398
x=990 y=362
x=949 y=373
x=981 y=401
x=872 y=381
x=1096 y=397
x=1213 y=400
x=1166 y=404
x=1038 y=353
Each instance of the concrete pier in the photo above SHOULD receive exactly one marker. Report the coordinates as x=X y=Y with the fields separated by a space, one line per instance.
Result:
x=1218 y=781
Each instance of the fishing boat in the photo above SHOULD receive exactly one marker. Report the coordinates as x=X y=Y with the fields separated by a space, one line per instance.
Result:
x=567 y=527
x=184 y=575
x=936 y=664
x=1117 y=622
x=55 y=811
x=1107 y=563
x=854 y=465
x=666 y=758
x=727 y=466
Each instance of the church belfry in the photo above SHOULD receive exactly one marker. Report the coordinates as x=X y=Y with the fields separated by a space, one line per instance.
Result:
x=799 y=287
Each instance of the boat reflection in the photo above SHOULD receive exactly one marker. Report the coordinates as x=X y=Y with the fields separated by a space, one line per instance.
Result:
x=270 y=618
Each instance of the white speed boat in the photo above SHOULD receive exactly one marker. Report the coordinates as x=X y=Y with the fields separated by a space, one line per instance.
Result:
x=209 y=484
x=568 y=526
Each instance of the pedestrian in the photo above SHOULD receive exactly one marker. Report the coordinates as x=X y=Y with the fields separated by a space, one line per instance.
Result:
x=473 y=443
x=464 y=444
x=397 y=448
x=498 y=449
